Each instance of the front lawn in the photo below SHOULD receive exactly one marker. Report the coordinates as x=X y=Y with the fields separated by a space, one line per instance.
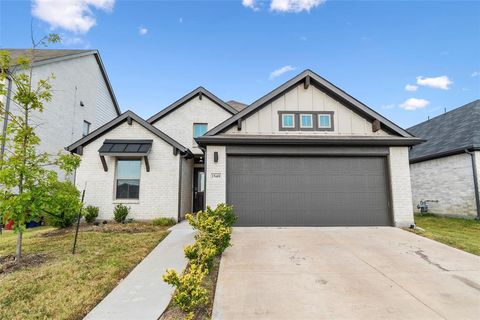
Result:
x=54 y=284
x=460 y=233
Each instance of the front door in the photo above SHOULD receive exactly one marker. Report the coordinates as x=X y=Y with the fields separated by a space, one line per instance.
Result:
x=198 y=189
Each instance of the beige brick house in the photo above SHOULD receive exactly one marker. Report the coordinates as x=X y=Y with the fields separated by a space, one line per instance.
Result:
x=305 y=154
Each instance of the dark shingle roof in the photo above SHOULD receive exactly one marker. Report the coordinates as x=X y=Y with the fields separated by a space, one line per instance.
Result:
x=237 y=105
x=450 y=132
x=42 y=54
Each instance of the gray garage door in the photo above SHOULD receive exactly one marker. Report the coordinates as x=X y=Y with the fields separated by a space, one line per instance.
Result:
x=308 y=191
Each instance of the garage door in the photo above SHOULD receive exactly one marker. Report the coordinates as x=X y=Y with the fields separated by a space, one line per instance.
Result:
x=308 y=191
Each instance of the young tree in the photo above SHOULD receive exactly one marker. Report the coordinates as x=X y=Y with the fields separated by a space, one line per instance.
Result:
x=26 y=175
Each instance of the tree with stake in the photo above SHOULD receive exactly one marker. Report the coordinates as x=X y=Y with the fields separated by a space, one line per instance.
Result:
x=25 y=177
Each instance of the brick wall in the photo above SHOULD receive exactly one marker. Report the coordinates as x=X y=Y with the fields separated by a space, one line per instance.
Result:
x=448 y=180
x=216 y=176
x=158 y=188
x=400 y=186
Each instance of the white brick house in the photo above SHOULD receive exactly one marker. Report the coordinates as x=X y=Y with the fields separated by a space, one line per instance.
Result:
x=82 y=100
x=446 y=168
x=305 y=154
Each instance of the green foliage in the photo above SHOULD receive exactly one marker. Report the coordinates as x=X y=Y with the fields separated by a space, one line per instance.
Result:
x=164 y=222
x=213 y=237
x=190 y=293
x=90 y=213
x=28 y=183
x=62 y=204
x=120 y=213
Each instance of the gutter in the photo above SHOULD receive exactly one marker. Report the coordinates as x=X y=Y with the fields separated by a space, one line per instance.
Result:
x=5 y=120
x=475 y=181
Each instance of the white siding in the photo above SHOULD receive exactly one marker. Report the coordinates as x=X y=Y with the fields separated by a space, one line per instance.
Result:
x=178 y=124
x=400 y=186
x=158 y=188
x=266 y=120
x=61 y=122
x=449 y=180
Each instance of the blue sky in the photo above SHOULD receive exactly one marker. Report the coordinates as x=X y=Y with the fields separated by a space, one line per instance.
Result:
x=157 y=51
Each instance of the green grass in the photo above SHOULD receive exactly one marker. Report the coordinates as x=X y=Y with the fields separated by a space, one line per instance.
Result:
x=460 y=233
x=67 y=286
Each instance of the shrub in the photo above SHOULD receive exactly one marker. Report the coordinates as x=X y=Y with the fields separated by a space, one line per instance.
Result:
x=63 y=204
x=164 y=221
x=120 y=213
x=90 y=213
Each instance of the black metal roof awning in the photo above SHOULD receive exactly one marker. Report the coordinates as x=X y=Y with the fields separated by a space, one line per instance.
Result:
x=125 y=148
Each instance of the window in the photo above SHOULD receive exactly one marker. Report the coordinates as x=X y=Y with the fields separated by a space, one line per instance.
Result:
x=324 y=121
x=128 y=179
x=306 y=121
x=199 y=129
x=288 y=120
x=86 y=128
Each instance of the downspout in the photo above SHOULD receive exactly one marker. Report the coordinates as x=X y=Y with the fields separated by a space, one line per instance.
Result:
x=5 y=120
x=180 y=172
x=475 y=181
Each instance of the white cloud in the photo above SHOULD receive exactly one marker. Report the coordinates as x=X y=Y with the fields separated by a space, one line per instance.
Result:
x=294 y=5
x=413 y=104
x=72 y=15
x=411 y=87
x=252 y=4
x=476 y=74
x=281 y=71
x=142 y=31
x=435 y=82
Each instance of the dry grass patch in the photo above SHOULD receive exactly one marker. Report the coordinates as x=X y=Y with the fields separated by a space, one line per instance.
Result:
x=66 y=286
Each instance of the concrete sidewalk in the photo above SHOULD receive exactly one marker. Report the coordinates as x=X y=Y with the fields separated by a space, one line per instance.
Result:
x=143 y=294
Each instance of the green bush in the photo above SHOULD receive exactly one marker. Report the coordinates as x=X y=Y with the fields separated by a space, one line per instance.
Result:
x=90 y=213
x=120 y=213
x=213 y=237
x=164 y=222
x=63 y=206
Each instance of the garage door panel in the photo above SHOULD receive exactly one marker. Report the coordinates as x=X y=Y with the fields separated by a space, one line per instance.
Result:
x=307 y=191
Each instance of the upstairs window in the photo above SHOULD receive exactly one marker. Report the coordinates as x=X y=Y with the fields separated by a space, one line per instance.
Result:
x=288 y=120
x=86 y=128
x=199 y=129
x=306 y=121
x=128 y=179
x=324 y=121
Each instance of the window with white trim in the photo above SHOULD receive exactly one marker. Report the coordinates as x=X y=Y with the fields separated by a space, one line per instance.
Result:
x=288 y=120
x=128 y=179
x=324 y=121
x=306 y=121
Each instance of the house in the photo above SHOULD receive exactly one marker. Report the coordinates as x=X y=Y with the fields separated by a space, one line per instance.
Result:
x=446 y=168
x=83 y=98
x=305 y=154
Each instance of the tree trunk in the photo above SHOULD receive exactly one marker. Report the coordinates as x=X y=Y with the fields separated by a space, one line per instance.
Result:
x=19 y=246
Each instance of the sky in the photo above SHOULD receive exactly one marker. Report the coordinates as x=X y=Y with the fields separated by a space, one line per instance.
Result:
x=408 y=60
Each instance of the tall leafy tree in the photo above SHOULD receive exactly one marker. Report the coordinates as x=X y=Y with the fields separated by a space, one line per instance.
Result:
x=26 y=175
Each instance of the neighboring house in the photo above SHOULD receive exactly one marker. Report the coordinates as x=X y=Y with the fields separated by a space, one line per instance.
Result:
x=306 y=154
x=446 y=168
x=82 y=97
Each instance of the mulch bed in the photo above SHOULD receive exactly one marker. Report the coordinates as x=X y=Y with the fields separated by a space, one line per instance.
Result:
x=8 y=263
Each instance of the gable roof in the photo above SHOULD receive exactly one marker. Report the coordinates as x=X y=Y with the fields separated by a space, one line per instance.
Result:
x=126 y=116
x=180 y=102
x=448 y=134
x=46 y=56
x=239 y=106
x=325 y=86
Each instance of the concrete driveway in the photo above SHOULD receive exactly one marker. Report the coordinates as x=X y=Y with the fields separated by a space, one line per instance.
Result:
x=344 y=273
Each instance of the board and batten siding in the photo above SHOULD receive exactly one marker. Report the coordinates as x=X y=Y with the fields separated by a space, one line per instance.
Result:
x=266 y=120
x=178 y=124
x=158 y=188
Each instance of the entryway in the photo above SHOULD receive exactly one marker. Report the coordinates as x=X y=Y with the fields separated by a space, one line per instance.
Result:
x=198 y=189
